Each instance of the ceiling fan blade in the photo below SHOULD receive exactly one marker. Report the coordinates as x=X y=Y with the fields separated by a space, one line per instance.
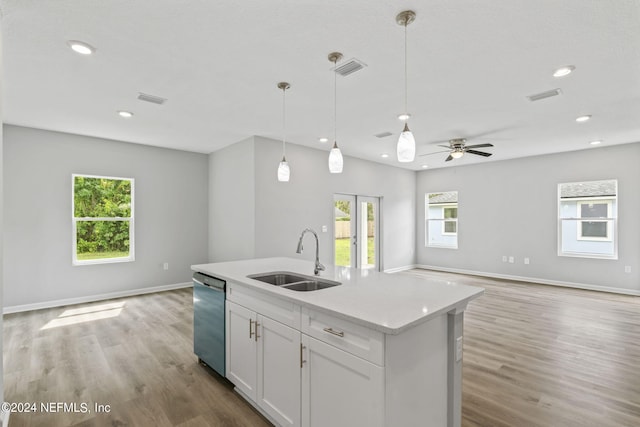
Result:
x=479 y=145
x=437 y=152
x=448 y=158
x=479 y=153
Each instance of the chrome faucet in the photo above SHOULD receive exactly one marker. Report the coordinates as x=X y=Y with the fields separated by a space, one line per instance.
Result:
x=319 y=267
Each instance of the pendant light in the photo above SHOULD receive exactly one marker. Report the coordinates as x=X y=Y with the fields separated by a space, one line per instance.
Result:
x=406 y=147
x=335 y=156
x=283 y=168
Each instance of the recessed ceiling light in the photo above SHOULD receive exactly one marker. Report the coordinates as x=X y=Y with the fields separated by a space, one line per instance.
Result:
x=81 y=47
x=564 y=71
x=583 y=119
x=425 y=166
x=323 y=139
x=595 y=142
x=404 y=116
x=125 y=114
x=384 y=155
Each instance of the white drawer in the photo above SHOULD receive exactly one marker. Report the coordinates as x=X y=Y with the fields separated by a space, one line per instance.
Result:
x=343 y=334
x=284 y=312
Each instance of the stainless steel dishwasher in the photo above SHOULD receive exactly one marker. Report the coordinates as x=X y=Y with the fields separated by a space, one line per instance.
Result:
x=209 y=294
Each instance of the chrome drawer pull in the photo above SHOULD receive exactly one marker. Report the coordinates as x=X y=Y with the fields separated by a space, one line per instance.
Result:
x=251 y=328
x=331 y=331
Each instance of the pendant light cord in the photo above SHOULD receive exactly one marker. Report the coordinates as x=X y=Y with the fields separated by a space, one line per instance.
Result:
x=284 y=127
x=335 y=103
x=406 y=79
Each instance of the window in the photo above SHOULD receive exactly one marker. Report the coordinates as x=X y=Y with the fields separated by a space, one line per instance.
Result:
x=450 y=223
x=588 y=219
x=595 y=228
x=441 y=213
x=102 y=219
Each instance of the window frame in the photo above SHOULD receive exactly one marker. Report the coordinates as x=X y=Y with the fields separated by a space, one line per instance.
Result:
x=443 y=220
x=74 y=221
x=611 y=219
x=608 y=220
x=449 y=220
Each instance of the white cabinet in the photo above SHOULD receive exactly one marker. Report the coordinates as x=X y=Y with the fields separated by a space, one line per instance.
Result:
x=241 y=353
x=279 y=358
x=340 y=389
x=263 y=361
x=311 y=368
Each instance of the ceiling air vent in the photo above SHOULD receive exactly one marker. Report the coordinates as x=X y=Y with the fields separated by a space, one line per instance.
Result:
x=543 y=95
x=151 y=98
x=349 y=67
x=383 y=135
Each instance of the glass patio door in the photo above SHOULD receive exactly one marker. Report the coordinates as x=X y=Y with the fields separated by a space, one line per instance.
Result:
x=356 y=225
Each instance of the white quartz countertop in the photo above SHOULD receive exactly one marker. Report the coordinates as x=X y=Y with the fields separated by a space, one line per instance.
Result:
x=390 y=303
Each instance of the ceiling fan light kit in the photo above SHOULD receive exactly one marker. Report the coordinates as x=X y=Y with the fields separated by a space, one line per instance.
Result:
x=406 y=147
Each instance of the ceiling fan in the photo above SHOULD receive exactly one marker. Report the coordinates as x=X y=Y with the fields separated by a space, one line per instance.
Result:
x=457 y=147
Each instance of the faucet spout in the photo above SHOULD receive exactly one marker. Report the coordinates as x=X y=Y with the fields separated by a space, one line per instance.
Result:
x=318 y=266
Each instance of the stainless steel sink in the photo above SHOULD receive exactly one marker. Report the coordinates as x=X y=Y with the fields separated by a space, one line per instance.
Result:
x=311 y=285
x=294 y=281
x=278 y=278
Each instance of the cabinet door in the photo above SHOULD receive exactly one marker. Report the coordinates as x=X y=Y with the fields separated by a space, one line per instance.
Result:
x=340 y=389
x=279 y=356
x=242 y=348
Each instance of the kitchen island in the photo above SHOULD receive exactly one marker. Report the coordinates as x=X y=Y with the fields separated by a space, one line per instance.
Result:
x=377 y=350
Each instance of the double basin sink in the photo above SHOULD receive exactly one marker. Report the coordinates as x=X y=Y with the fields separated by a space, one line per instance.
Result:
x=294 y=281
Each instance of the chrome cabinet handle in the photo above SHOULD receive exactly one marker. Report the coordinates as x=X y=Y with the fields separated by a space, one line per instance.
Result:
x=336 y=333
x=256 y=332
x=250 y=328
x=302 y=361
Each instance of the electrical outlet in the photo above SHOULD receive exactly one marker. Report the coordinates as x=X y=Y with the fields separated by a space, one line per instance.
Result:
x=504 y=258
x=324 y=228
x=511 y=260
x=526 y=261
x=627 y=269
x=165 y=266
x=458 y=349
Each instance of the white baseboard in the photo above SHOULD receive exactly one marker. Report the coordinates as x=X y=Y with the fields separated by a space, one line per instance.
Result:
x=92 y=298
x=398 y=269
x=533 y=280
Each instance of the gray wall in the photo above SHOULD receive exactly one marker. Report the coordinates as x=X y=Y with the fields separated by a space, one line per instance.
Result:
x=283 y=210
x=1 y=218
x=232 y=202
x=510 y=208
x=171 y=218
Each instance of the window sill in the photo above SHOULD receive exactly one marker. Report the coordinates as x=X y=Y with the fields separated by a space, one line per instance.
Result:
x=76 y=263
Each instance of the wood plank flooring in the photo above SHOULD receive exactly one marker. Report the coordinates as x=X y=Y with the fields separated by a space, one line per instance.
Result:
x=539 y=356
x=134 y=354
x=534 y=356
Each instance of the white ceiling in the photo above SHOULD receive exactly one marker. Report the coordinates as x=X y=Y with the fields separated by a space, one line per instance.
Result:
x=471 y=65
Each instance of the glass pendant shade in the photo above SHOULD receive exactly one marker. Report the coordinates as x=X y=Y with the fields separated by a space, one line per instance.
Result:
x=335 y=159
x=457 y=154
x=406 y=147
x=283 y=171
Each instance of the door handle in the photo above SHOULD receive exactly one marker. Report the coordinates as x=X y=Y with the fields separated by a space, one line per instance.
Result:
x=255 y=334
x=250 y=328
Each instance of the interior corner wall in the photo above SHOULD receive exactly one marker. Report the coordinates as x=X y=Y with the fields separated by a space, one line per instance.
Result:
x=171 y=217
x=510 y=208
x=283 y=210
x=232 y=202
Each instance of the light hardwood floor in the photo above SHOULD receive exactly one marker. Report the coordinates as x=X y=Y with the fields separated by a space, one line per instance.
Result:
x=534 y=355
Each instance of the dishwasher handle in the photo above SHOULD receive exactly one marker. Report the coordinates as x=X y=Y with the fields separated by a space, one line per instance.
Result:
x=210 y=282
